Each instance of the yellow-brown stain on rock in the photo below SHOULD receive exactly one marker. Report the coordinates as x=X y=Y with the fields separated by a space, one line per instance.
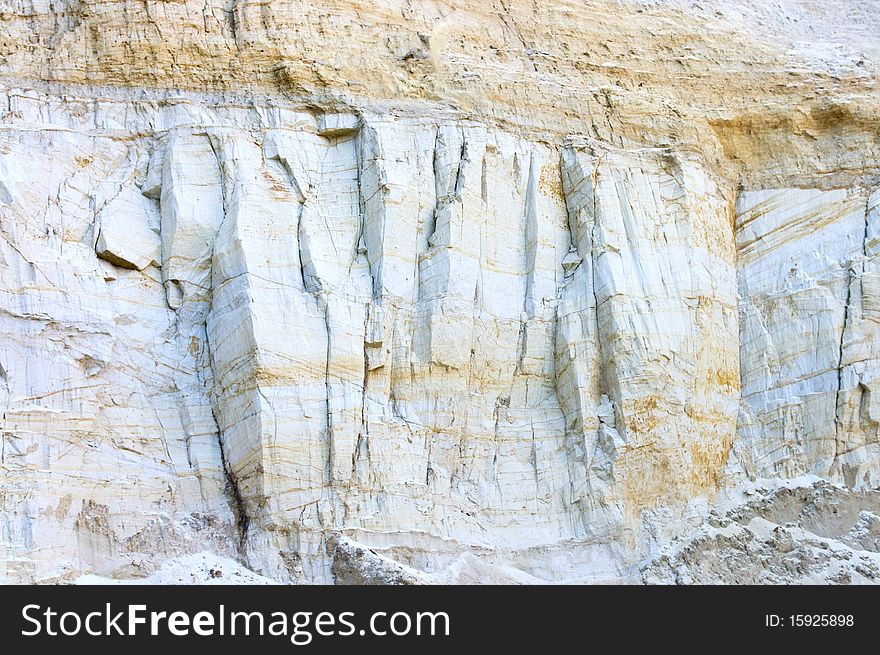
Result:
x=550 y=181
x=63 y=507
x=641 y=414
x=725 y=377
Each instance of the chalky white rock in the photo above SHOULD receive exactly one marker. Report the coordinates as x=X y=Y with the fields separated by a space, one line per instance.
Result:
x=480 y=308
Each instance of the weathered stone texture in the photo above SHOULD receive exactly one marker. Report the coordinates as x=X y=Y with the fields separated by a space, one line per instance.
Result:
x=425 y=292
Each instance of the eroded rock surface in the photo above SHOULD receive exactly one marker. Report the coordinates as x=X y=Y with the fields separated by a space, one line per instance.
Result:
x=497 y=301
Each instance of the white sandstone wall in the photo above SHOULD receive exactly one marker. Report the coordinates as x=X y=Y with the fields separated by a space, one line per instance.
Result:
x=429 y=336
x=378 y=292
x=807 y=263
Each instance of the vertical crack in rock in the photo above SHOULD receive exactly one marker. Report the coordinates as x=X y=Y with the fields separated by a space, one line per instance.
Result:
x=854 y=276
x=449 y=175
x=484 y=186
x=521 y=344
x=437 y=170
x=368 y=225
x=310 y=281
x=530 y=234
x=362 y=243
x=595 y=254
x=233 y=491
x=4 y=379
x=363 y=433
x=328 y=393
x=462 y=162
x=851 y=278
x=533 y=458
x=229 y=11
x=302 y=198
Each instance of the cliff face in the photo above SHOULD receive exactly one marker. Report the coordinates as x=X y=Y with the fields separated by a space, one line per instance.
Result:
x=420 y=293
